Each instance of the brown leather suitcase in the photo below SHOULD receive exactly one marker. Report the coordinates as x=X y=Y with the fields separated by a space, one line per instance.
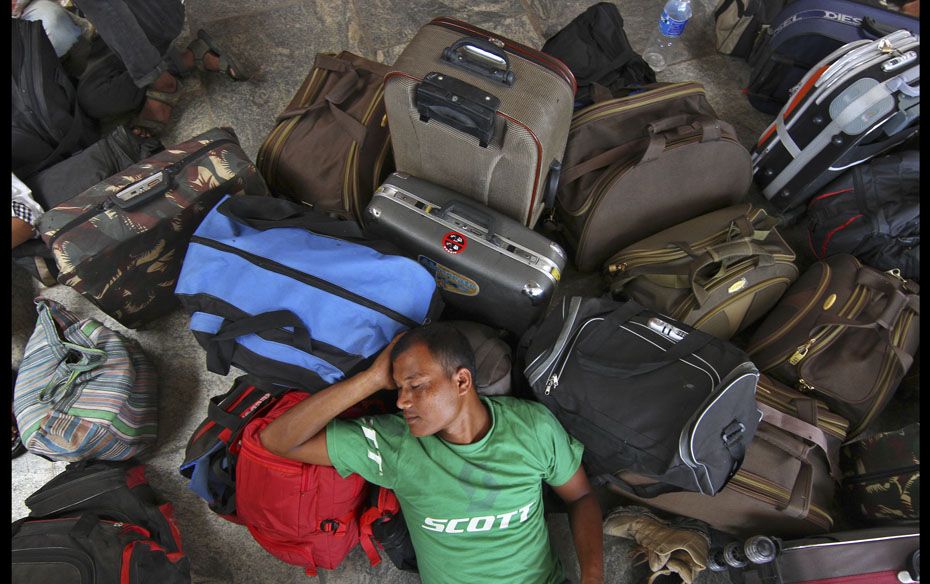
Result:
x=637 y=165
x=481 y=115
x=784 y=486
x=331 y=145
x=719 y=272
x=845 y=333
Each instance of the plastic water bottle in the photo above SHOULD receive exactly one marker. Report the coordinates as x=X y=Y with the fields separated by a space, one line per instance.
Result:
x=664 y=45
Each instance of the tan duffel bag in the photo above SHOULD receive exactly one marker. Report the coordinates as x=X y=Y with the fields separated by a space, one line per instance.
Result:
x=784 y=487
x=330 y=147
x=719 y=272
x=640 y=164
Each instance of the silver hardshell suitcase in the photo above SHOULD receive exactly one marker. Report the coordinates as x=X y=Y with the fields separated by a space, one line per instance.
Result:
x=859 y=101
x=489 y=267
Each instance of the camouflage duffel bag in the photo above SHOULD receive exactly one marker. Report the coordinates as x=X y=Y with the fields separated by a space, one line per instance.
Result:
x=120 y=243
x=881 y=477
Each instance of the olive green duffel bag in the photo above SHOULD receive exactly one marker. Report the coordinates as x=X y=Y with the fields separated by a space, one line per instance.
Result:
x=718 y=272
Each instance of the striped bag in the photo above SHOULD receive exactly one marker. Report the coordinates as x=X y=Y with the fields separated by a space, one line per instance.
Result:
x=83 y=391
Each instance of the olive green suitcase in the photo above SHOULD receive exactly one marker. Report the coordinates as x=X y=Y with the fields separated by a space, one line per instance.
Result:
x=718 y=272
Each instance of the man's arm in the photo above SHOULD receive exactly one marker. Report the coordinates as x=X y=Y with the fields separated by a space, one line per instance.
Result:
x=299 y=433
x=584 y=513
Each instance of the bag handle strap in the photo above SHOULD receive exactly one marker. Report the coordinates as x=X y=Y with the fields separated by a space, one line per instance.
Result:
x=58 y=388
x=222 y=345
x=348 y=86
x=264 y=213
x=655 y=144
x=806 y=431
x=685 y=275
x=799 y=501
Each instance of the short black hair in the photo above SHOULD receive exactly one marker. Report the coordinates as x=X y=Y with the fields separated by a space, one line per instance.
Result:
x=444 y=342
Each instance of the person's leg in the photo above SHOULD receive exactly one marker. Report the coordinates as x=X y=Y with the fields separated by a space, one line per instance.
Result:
x=106 y=90
x=118 y=26
x=62 y=31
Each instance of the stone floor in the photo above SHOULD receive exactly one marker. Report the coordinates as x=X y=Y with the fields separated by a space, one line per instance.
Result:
x=278 y=39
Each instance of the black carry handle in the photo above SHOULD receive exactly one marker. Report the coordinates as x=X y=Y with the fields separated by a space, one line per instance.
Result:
x=223 y=343
x=552 y=184
x=876 y=28
x=472 y=213
x=477 y=60
x=264 y=213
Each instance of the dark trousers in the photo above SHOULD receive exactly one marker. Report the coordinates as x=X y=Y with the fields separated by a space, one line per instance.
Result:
x=141 y=32
x=106 y=89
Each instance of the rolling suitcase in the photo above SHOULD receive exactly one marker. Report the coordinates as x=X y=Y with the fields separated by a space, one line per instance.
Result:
x=806 y=31
x=868 y=556
x=859 y=101
x=480 y=114
x=488 y=266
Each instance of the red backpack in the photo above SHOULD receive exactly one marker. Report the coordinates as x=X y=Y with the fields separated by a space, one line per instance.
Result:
x=302 y=514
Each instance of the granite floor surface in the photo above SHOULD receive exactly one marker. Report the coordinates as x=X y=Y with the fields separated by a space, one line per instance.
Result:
x=277 y=41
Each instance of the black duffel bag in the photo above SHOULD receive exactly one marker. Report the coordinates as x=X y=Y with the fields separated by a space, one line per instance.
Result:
x=595 y=48
x=872 y=211
x=644 y=393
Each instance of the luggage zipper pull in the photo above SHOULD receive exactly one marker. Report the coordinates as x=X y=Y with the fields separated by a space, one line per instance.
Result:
x=801 y=352
x=805 y=386
x=552 y=382
x=614 y=268
x=896 y=273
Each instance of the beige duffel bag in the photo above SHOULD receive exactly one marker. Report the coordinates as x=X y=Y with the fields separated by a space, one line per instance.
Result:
x=718 y=272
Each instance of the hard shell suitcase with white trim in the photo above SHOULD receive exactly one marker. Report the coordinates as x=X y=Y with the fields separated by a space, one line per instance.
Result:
x=488 y=266
x=858 y=102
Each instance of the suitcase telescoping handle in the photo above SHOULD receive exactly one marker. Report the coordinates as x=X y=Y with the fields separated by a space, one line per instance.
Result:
x=482 y=57
x=471 y=213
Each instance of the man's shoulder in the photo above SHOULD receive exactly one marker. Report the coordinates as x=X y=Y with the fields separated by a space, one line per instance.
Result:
x=524 y=409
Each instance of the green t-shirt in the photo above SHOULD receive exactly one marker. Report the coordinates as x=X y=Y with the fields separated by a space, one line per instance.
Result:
x=474 y=511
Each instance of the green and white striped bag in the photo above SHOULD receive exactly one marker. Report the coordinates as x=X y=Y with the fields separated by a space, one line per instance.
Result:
x=83 y=391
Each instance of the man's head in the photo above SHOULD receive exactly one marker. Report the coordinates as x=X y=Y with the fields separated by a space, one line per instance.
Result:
x=434 y=369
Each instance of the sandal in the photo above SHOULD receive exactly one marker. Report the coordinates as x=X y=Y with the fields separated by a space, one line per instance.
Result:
x=152 y=127
x=204 y=44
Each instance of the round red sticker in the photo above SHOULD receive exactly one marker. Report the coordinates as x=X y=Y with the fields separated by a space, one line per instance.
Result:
x=454 y=242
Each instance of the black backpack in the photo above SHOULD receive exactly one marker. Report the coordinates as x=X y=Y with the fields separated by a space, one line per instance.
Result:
x=48 y=124
x=99 y=522
x=872 y=211
x=644 y=393
x=595 y=48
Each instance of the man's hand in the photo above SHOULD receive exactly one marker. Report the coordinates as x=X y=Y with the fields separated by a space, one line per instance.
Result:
x=380 y=371
x=299 y=433
x=584 y=513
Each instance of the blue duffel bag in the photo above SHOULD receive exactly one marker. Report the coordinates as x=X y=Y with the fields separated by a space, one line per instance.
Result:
x=295 y=297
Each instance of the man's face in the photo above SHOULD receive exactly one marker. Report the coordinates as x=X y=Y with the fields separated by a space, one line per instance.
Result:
x=429 y=398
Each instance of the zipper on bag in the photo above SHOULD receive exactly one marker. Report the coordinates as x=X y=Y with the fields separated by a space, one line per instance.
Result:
x=169 y=171
x=305 y=278
x=879 y=474
x=552 y=381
